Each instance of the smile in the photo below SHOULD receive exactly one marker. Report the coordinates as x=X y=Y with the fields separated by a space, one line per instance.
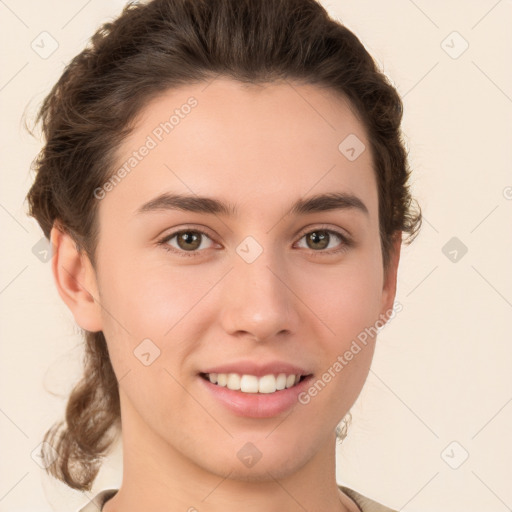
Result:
x=252 y=384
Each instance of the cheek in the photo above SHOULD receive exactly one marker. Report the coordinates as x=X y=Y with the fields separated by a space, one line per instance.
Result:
x=346 y=298
x=141 y=306
x=144 y=301
x=148 y=299
x=348 y=303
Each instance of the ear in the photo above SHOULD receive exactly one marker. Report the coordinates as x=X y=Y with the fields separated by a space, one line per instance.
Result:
x=75 y=279
x=390 y=277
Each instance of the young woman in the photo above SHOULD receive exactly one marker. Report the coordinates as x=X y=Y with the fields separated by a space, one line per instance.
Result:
x=225 y=187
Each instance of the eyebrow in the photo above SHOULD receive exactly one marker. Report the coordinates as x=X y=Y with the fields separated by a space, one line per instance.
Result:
x=209 y=205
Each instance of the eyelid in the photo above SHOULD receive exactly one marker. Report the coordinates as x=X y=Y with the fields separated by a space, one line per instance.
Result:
x=325 y=227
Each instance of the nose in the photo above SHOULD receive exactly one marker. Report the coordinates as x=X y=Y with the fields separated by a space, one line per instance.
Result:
x=258 y=300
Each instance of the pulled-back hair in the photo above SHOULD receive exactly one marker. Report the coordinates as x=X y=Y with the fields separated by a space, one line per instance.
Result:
x=150 y=48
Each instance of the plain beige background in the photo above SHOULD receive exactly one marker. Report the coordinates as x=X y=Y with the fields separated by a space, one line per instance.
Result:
x=431 y=429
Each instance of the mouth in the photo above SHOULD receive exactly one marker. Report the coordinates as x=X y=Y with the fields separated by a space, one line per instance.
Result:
x=252 y=384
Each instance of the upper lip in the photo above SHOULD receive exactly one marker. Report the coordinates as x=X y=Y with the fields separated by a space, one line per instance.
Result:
x=258 y=369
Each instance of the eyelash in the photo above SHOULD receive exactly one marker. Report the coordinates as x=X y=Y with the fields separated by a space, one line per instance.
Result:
x=346 y=242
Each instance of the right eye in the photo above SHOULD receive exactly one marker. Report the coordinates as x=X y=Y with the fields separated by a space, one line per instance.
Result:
x=188 y=241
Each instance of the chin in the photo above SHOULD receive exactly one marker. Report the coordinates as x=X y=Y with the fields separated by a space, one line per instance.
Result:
x=272 y=464
x=262 y=473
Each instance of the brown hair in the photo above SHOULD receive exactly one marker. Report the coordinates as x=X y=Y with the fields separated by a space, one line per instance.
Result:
x=163 y=44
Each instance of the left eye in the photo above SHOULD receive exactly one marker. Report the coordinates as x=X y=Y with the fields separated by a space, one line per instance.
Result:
x=321 y=238
x=190 y=241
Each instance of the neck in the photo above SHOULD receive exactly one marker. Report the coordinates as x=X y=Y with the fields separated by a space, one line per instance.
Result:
x=157 y=476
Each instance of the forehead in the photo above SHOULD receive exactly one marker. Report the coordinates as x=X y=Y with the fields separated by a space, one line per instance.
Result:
x=243 y=142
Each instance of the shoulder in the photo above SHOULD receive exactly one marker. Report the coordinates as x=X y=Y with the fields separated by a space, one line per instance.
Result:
x=96 y=504
x=364 y=503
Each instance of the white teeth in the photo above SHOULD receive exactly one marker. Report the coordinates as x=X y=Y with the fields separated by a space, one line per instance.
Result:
x=267 y=384
x=290 y=381
x=249 y=384
x=252 y=384
x=281 y=381
x=233 y=381
x=222 y=379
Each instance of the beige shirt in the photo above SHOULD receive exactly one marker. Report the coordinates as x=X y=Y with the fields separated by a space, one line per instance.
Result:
x=365 y=504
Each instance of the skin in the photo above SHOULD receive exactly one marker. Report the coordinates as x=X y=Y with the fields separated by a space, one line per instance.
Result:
x=261 y=148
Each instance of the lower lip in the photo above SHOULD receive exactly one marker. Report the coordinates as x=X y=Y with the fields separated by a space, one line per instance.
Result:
x=256 y=405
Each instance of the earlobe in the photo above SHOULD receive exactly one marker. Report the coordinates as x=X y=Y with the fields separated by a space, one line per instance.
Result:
x=75 y=279
x=390 y=277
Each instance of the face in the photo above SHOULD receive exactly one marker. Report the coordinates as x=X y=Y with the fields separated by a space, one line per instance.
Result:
x=242 y=290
